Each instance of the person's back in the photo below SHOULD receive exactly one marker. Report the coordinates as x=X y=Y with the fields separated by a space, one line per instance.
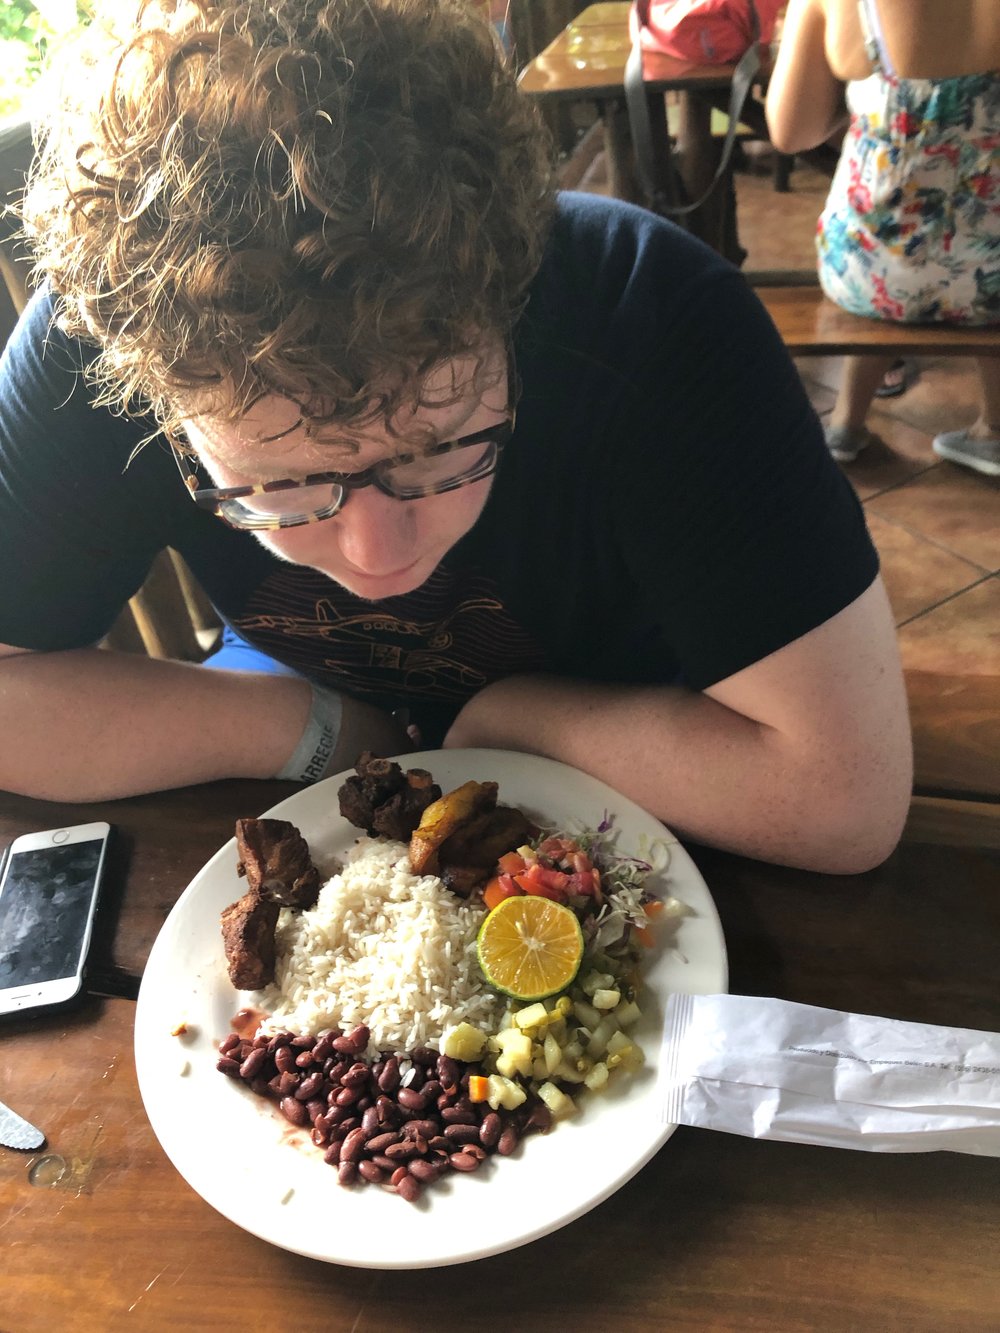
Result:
x=925 y=39
x=911 y=227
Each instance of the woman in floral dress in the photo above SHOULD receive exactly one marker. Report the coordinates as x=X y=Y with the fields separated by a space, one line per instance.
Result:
x=911 y=227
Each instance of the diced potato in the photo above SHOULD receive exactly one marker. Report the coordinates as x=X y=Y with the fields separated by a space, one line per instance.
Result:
x=504 y=1092
x=516 y=1056
x=539 y=1068
x=618 y=1042
x=595 y=981
x=632 y=1058
x=463 y=1042
x=627 y=1013
x=586 y=1014
x=601 y=1037
x=597 y=1077
x=551 y=1052
x=514 y=1040
x=557 y=1028
x=532 y=1016
x=567 y=1072
x=606 y=999
x=559 y=1103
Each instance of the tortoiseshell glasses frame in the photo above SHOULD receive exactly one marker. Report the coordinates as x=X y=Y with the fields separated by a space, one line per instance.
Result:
x=434 y=471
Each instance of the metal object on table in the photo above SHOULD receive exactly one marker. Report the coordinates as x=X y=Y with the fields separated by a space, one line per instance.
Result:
x=16 y=1132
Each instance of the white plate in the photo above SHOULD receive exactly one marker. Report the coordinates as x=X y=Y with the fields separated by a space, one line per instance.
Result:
x=245 y=1160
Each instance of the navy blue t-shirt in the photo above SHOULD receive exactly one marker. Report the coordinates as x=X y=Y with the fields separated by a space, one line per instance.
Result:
x=665 y=511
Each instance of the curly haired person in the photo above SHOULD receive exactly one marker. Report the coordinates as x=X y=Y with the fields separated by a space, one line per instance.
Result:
x=432 y=437
x=911 y=227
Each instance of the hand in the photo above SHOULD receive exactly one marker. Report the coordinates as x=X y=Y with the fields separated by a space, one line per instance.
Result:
x=365 y=727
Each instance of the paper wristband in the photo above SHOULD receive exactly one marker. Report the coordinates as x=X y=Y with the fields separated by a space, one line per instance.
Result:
x=319 y=740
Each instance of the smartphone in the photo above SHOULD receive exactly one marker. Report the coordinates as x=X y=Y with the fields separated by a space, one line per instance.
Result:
x=49 y=889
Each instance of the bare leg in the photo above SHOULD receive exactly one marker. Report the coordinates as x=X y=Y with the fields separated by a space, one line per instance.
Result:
x=988 y=425
x=862 y=376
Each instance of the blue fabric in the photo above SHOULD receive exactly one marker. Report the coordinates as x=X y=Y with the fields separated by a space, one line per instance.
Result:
x=235 y=654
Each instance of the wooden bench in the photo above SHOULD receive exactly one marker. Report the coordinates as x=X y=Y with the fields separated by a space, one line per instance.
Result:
x=811 y=325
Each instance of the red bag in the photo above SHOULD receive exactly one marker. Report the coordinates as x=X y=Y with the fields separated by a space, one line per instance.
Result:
x=703 y=32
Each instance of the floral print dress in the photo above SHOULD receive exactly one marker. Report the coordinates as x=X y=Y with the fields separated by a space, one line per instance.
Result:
x=911 y=227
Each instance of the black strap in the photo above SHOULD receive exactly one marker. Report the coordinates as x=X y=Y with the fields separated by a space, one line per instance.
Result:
x=653 y=158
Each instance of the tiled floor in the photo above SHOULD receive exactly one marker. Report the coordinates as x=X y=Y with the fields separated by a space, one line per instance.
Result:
x=936 y=525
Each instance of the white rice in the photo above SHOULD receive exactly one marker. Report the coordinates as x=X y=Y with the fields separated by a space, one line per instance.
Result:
x=381 y=946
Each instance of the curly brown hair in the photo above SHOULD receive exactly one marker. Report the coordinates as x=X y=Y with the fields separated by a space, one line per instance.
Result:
x=319 y=199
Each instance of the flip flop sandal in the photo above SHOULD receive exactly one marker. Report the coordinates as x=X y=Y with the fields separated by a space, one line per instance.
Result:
x=897 y=379
x=846 y=442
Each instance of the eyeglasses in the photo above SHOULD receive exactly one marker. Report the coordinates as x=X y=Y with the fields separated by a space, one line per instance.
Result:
x=290 y=504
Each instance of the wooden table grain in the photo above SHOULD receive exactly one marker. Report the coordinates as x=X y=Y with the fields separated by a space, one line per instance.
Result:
x=717 y=1232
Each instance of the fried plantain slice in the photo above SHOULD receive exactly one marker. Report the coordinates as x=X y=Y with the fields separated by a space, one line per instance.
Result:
x=444 y=817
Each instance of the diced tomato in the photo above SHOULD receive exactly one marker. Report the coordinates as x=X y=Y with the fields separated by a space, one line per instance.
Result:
x=499 y=888
x=511 y=863
x=557 y=849
x=543 y=875
x=542 y=883
x=644 y=935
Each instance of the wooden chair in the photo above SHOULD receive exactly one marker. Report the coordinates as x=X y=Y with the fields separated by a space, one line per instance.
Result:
x=811 y=325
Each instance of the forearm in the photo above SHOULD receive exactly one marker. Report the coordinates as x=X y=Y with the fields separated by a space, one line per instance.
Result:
x=711 y=774
x=90 y=725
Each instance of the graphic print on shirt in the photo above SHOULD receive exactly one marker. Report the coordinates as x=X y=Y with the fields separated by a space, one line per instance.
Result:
x=443 y=641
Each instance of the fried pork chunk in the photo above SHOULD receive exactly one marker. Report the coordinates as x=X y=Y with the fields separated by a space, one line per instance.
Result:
x=248 y=937
x=385 y=801
x=275 y=859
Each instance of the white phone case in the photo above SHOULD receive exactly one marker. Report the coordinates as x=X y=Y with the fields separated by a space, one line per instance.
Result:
x=27 y=925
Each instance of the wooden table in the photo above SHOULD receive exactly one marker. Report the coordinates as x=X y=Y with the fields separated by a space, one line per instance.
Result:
x=716 y=1232
x=586 y=62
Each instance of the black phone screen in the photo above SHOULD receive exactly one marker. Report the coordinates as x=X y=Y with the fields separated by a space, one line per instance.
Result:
x=44 y=905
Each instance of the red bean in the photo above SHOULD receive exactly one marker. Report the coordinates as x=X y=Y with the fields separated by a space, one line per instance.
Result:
x=310 y=1087
x=461 y=1161
x=388 y=1079
x=448 y=1071
x=383 y=1141
x=253 y=1064
x=508 y=1140
x=227 y=1043
x=226 y=1065
x=284 y=1059
x=410 y=1100
x=455 y=1115
x=427 y=1172
x=294 y=1111
x=408 y=1188
x=354 y=1145
x=462 y=1133
x=490 y=1130
x=347 y=1173
x=370 y=1172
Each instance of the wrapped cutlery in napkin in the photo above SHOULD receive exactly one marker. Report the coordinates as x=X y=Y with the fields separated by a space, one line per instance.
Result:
x=771 y=1069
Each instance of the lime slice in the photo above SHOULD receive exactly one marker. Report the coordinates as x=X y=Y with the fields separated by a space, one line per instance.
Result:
x=530 y=947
